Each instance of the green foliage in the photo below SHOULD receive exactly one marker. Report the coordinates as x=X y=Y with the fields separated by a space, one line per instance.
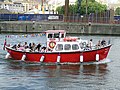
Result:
x=117 y=11
x=93 y=7
x=60 y=9
x=73 y=9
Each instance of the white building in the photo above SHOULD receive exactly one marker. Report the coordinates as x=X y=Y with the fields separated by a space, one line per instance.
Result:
x=12 y=7
x=29 y=4
x=111 y=4
x=16 y=8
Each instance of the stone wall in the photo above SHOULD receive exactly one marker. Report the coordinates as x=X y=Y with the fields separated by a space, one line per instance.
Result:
x=72 y=28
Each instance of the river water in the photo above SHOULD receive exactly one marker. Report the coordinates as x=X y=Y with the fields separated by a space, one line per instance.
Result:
x=23 y=76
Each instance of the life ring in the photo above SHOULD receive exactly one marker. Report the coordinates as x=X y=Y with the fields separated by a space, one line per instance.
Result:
x=84 y=44
x=52 y=44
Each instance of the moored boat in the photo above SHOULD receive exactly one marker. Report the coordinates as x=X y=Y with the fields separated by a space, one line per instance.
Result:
x=62 y=49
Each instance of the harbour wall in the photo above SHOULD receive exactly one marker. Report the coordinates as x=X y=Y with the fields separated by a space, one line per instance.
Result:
x=71 y=28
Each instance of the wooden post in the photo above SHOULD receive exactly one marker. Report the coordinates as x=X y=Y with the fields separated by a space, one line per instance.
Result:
x=86 y=7
x=0 y=29
x=26 y=29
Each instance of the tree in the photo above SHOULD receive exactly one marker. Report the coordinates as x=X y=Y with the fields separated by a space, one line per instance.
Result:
x=60 y=9
x=117 y=11
x=93 y=7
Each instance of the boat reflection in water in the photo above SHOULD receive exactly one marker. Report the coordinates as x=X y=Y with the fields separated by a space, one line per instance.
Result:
x=59 y=76
x=54 y=70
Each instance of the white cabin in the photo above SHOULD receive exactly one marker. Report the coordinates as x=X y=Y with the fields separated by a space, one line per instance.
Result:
x=58 y=39
x=54 y=36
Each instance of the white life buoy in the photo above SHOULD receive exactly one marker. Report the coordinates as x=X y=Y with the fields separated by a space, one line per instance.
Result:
x=58 y=59
x=7 y=56
x=42 y=58
x=81 y=58
x=23 y=57
x=52 y=44
x=97 y=57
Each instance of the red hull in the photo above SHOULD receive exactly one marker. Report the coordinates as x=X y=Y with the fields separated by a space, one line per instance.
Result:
x=72 y=57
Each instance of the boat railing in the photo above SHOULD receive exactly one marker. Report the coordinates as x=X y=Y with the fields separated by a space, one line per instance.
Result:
x=95 y=47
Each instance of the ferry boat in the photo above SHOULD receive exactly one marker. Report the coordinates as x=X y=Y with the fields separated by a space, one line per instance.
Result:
x=61 y=49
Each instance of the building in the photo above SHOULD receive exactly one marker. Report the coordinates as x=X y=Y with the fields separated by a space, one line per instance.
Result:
x=111 y=4
x=16 y=8
x=12 y=7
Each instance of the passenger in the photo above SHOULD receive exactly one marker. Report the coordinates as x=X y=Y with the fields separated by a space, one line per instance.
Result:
x=27 y=49
x=33 y=46
x=25 y=45
x=14 y=46
x=30 y=46
x=103 y=42
x=38 y=47
x=90 y=43
x=108 y=41
x=98 y=44
x=87 y=47
x=43 y=49
x=19 y=47
x=48 y=50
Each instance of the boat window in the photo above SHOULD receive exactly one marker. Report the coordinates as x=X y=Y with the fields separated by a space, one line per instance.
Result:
x=67 y=47
x=56 y=35
x=62 y=35
x=75 y=47
x=59 y=47
x=49 y=35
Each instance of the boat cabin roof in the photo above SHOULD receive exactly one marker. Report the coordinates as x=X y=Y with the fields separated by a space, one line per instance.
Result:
x=55 y=31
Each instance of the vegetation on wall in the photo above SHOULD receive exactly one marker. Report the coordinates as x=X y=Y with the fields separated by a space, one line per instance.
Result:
x=117 y=11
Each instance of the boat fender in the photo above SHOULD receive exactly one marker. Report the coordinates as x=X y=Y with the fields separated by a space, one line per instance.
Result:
x=58 y=59
x=42 y=58
x=97 y=57
x=7 y=56
x=23 y=57
x=81 y=58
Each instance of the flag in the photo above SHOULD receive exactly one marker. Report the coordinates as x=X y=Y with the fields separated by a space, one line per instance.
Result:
x=5 y=42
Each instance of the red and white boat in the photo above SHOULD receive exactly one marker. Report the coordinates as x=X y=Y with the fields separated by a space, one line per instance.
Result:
x=62 y=50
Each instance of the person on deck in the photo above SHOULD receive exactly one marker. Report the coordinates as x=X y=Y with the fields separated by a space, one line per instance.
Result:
x=103 y=42
x=25 y=45
x=90 y=43
x=33 y=46
x=98 y=44
x=38 y=47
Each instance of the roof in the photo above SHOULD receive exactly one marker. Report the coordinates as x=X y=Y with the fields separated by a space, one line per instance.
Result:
x=4 y=11
x=55 y=31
